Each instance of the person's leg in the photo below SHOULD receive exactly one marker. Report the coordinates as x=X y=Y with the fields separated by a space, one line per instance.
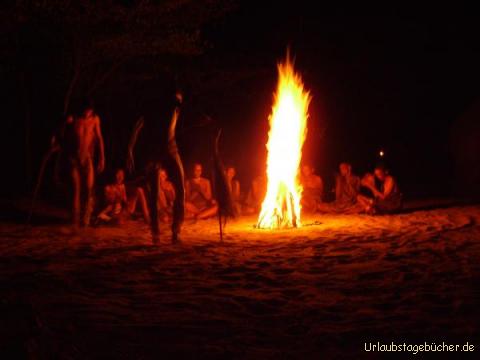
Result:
x=177 y=209
x=209 y=212
x=191 y=208
x=191 y=211
x=143 y=204
x=366 y=203
x=390 y=205
x=104 y=214
x=153 y=205
x=139 y=197
x=76 y=184
x=89 y=183
x=163 y=215
x=132 y=202
x=356 y=208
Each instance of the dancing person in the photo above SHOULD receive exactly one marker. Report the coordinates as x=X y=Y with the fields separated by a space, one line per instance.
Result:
x=156 y=141
x=84 y=134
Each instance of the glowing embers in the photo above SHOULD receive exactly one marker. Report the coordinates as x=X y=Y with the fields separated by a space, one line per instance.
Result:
x=288 y=128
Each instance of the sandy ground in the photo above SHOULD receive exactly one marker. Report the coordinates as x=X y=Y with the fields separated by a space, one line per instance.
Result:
x=321 y=291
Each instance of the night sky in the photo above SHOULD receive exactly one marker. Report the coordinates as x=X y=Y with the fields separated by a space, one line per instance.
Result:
x=393 y=78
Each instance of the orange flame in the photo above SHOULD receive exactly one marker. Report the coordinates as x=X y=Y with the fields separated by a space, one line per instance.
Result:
x=288 y=129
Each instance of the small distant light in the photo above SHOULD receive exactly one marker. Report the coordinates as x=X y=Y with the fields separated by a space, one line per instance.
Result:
x=382 y=154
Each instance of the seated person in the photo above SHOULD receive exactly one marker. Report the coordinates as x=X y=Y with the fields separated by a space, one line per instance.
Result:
x=387 y=197
x=136 y=196
x=234 y=186
x=199 y=203
x=118 y=206
x=347 y=187
x=312 y=189
x=166 y=196
x=256 y=195
x=115 y=198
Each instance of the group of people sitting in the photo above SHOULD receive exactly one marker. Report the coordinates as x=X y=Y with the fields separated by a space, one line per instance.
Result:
x=376 y=192
x=123 y=201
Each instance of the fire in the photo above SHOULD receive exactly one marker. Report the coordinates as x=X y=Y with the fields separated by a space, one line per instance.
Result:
x=288 y=128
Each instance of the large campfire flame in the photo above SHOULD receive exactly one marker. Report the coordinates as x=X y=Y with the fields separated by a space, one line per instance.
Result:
x=288 y=128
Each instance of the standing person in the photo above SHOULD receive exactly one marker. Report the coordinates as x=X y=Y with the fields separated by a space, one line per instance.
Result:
x=198 y=195
x=158 y=144
x=312 y=189
x=84 y=135
x=387 y=197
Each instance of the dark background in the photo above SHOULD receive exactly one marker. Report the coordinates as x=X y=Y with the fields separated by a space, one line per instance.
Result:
x=396 y=78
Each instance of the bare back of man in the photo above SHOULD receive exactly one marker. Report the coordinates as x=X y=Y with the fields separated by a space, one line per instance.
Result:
x=86 y=134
